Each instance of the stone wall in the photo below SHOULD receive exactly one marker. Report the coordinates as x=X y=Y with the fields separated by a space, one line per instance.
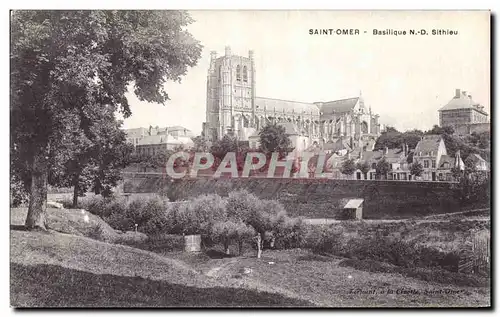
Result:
x=317 y=198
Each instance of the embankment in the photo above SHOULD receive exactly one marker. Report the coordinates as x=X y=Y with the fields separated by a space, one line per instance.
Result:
x=316 y=198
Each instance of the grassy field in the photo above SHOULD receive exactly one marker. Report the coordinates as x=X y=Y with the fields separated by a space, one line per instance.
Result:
x=57 y=269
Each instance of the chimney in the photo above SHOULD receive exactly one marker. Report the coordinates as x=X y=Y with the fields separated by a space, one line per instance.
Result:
x=250 y=54
x=213 y=54
x=228 y=51
x=457 y=93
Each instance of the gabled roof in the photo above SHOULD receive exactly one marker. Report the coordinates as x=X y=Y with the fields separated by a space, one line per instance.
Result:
x=475 y=158
x=339 y=106
x=428 y=143
x=392 y=156
x=446 y=159
x=354 y=203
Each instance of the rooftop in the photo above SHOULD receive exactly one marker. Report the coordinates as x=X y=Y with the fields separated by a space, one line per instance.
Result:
x=462 y=100
x=428 y=143
x=354 y=203
x=338 y=106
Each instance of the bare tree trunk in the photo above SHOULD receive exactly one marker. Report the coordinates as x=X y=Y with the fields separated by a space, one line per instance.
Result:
x=38 y=194
x=75 y=191
x=260 y=241
x=240 y=247
x=226 y=246
x=271 y=244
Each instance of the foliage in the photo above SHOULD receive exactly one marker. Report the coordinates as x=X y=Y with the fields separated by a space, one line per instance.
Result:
x=196 y=216
x=67 y=66
x=148 y=214
x=226 y=232
x=97 y=164
x=473 y=144
x=289 y=232
x=18 y=193
x=273 y=138
x=416 y=169
x=394 y=139
x=201 y=144
x=364 y=167
x=348 y=167
x=475 y=186
x=223 y=146
x=382 y=168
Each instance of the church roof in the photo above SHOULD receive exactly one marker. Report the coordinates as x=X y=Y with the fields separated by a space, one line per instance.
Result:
x=286 y=106
x=339 y=106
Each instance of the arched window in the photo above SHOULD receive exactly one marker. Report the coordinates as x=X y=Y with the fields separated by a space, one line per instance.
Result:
x=245 y=74
x=238 y=73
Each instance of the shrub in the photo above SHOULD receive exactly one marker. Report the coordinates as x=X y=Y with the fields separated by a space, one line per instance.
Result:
x=289 y=232
x=228 y=231
x=18 y=194
x=324 y=239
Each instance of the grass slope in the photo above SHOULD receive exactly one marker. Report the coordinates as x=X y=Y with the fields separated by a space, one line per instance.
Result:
x=61 y=270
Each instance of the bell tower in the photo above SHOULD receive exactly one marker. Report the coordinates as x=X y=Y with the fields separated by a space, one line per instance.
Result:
x=230 y=107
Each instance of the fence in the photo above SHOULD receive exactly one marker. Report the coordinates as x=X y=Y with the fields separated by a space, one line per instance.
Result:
x=478 y=261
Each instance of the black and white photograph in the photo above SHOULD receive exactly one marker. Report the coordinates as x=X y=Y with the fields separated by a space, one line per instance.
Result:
x=250 y=158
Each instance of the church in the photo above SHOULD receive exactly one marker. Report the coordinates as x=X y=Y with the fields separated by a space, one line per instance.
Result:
x=234 y=108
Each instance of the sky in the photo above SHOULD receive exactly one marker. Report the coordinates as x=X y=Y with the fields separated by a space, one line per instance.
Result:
x=405 y=79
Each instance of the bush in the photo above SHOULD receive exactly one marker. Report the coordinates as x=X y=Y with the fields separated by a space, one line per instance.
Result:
x=289 y=233
x=18 y=194
x=231 y=231
x=379 y=247
x=196 y=216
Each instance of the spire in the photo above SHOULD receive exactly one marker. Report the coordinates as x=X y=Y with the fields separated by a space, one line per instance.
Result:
x=458 y=161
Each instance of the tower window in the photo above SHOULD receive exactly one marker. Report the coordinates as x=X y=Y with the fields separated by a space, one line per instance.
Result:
x=238 y=73
x=245 y=74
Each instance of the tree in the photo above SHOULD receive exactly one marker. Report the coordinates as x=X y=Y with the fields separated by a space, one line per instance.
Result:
x=99 y=153
x=416 y=169
x=229 y=231
x=223 y=146
x=273 y=138
x=441 y=130
x=382 y=168
x=200 y=144
x=364 y=167
x=348 y=167
x=256 y=213
x=66 y=65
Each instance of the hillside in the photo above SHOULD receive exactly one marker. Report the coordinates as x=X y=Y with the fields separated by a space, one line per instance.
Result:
x=66 y=270
x=53 y=269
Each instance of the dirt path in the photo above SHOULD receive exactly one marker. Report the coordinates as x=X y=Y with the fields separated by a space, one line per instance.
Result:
x=217 y=271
